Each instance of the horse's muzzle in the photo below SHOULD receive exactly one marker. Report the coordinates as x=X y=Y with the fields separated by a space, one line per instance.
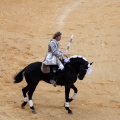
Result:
x=80 y=78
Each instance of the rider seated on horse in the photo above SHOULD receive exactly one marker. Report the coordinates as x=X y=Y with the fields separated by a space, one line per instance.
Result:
x=53 y=55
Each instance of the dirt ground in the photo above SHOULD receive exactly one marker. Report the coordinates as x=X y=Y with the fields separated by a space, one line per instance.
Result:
x=26 y=27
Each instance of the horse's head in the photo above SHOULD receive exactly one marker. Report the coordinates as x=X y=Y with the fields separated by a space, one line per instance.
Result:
x=80 y=65
x=83 y=70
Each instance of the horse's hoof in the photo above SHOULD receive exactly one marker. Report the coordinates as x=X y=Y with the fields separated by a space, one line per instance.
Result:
x=23 y=105
x=70 y=112
x=34 y=111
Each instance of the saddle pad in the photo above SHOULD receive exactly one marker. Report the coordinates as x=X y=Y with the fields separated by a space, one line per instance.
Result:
x=45 y=68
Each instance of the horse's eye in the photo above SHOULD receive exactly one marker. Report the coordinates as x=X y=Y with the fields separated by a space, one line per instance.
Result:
x=81 y=68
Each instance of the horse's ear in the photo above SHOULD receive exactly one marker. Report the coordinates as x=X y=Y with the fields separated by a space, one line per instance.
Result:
x=91 y=63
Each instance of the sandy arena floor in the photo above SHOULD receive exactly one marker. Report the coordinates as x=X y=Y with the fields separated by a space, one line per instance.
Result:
x=26 y=28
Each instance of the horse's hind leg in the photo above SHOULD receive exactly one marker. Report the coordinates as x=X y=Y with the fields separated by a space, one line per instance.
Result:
x=30 y=93
x=25 y=90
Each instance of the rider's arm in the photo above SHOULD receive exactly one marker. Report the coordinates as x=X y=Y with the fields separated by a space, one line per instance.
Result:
x=55 y=51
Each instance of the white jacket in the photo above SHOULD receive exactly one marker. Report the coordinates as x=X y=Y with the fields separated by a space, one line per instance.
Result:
x=54 y=53
x=53 y=47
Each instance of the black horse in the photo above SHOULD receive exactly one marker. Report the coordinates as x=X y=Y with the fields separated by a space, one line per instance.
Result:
x=76 y=68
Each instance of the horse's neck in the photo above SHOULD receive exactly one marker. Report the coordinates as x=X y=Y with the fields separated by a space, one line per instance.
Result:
x=75 y=66
x=76 y=62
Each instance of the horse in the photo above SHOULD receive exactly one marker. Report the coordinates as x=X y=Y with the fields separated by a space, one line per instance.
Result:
x=75 y=67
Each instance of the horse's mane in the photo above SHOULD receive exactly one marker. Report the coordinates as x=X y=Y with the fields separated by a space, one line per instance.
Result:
x=76 y=58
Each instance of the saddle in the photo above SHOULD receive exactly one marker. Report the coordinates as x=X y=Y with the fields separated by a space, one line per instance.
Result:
x=47 y=68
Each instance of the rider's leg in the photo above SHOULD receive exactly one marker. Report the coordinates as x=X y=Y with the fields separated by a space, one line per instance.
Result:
x=52 y=77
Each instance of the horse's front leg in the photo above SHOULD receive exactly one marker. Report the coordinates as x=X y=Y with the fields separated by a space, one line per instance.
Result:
x=75 y=92
x=67 y=91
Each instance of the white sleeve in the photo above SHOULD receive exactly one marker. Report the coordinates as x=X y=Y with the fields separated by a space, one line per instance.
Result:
x=55 y=51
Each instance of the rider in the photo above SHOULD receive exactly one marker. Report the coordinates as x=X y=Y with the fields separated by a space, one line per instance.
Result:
x=54 y=53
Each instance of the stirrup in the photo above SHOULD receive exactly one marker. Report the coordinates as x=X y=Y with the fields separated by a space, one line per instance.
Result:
x=53 y=82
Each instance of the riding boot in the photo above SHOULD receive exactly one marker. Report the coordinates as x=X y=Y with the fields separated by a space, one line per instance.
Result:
x=52 y=79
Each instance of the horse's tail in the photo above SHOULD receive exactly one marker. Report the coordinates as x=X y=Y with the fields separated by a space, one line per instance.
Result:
x=19 y=77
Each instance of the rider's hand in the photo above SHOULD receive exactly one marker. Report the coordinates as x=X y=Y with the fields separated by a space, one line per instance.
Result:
x=64 y=54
